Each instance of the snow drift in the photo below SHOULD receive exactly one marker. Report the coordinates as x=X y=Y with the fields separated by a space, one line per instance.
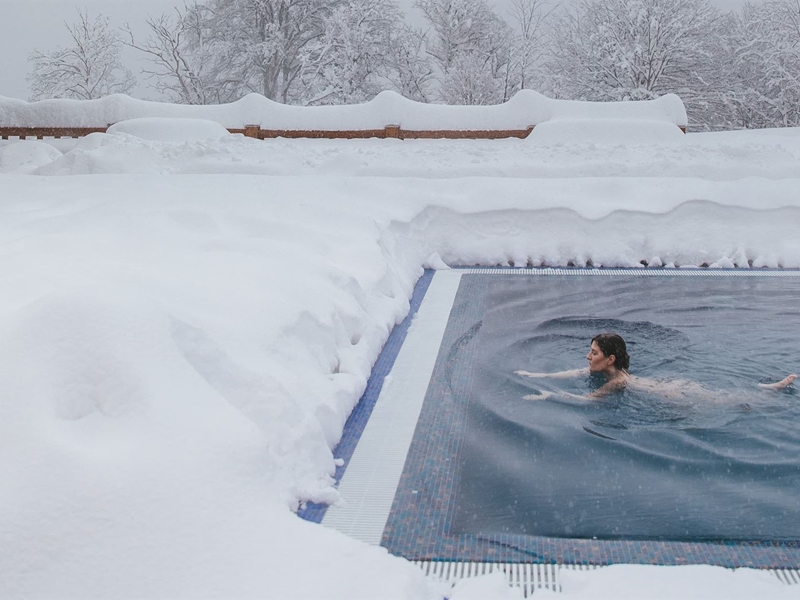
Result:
x=186 y=324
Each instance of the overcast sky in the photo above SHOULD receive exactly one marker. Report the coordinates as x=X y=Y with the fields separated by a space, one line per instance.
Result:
x=26 y=25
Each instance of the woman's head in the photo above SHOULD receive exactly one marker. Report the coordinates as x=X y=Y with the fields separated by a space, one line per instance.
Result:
x=614 y=352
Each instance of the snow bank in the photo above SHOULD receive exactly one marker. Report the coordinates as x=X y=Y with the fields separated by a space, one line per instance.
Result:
x=181 y=349
x=666 y=109
x=725 y=157
x=26 y=156
x=99 y=153
x=176 y=369
x=525 y=109
x=162 y=129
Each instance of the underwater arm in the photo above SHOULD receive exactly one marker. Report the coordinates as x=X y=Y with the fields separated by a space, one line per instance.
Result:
x=606 y=389
x=545 y=395
x=557 y=375
x=778 y=385
x=615 y=385
x=603 y=391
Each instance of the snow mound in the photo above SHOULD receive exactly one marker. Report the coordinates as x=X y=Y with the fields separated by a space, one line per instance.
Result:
x=26 y=155
x=624 y=151
x=102 y=154
x=159 y=129
x=108 y=330
x=605 y=131
x=669 y=109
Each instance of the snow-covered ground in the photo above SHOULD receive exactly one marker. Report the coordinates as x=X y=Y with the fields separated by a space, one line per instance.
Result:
x=185 y=326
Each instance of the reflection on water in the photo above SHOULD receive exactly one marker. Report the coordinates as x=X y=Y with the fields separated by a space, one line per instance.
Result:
x=704 y=455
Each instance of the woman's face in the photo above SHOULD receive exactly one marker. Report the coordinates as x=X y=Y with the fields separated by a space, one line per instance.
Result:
x=598 y=362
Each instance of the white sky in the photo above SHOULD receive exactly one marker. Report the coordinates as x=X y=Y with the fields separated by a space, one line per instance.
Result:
x=26 y=25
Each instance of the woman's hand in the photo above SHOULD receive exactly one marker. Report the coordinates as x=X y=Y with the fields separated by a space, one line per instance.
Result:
x=780 y=384
x=529 y=374
x=557 y=375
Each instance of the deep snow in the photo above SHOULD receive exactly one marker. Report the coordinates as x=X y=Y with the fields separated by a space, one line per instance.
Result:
x=185 y=326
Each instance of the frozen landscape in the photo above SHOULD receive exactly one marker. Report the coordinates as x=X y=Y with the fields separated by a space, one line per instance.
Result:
x=189 y=316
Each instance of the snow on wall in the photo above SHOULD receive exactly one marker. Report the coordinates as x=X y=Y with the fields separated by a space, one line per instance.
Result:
x=525 y=109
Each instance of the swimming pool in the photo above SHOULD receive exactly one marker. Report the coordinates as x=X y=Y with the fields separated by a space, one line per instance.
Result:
x=490 y=476
x=716 y=458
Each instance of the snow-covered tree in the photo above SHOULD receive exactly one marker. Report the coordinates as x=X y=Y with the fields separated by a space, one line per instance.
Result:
x=470 y=44
x=766 y=65
x=633 y=49
x=530 y=43
x=259 y=45
x=88 y=68
x=410 y=69
x=469 y=81
x=182 y=60
x=293 y=51
x=349 y=62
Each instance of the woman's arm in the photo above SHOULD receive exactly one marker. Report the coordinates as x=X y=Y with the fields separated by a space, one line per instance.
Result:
x=601 y=392
x=778 y=385
x=545 y=395
x=557 y=375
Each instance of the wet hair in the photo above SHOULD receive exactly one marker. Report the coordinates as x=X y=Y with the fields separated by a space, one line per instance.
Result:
x=613 y=344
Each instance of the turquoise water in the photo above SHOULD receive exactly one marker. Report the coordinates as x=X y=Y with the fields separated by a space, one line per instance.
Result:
x=716 y=458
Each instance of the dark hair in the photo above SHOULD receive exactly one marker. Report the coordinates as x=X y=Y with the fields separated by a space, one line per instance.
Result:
x=613 y=344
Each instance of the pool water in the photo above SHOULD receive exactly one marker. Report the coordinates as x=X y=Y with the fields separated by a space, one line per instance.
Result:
x=716 y=459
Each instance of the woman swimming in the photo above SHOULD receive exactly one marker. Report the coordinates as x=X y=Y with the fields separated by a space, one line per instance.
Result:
x=608 y=356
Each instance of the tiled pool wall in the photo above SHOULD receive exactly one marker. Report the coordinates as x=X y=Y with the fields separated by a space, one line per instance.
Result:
x=418 y=527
